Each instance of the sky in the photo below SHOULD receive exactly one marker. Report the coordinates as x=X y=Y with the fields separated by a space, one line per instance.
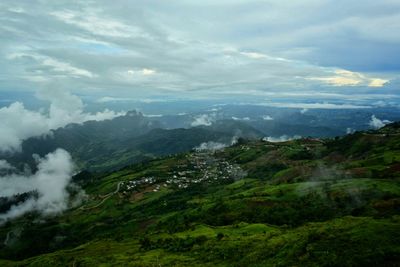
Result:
x=119 y=50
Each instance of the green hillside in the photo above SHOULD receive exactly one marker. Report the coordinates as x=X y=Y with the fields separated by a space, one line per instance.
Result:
x=308 y=202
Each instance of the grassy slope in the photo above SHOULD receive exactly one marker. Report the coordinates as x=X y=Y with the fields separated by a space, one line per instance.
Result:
x=302 y=203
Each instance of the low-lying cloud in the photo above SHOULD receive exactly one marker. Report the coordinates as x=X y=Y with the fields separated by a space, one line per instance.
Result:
x=240 y=119
x=17 y=123
x=377 y=123
x=204 y=119
x=49 y=182
x=4 y=165
x=210 y=146
x=282 y=138
x=267 y=118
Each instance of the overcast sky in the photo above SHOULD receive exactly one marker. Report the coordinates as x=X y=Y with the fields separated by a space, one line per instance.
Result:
x=114 y=49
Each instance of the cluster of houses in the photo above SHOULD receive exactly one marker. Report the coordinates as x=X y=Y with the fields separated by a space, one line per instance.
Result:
x=134 y=184
x=199 y=167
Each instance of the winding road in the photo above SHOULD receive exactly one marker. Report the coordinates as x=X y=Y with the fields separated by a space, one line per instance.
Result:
x=105 y=197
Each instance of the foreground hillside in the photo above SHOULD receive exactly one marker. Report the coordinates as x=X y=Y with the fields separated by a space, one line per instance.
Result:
x=305 y=202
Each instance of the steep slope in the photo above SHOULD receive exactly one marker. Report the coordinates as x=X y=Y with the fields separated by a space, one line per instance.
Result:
x=306 y=202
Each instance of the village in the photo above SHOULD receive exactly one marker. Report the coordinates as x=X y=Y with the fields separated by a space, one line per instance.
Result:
x=199 y=167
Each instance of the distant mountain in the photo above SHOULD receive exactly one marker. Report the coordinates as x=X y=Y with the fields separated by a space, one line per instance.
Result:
x=100 y=145
x=85 y=141
x=277 y=128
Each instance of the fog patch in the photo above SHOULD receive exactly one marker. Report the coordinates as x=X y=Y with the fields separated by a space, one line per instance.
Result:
x=325 y=180
x=235 y=140
x=267 y=118
x=153 y=115
x=4 y=165
x=283 y=138
x=350 y=130
x=204 y=119
x=377 y=123
x=210 y=146
x=50 y=182
x=241 y=119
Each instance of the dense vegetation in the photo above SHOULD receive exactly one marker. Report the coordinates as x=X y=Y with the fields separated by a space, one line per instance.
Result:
x=307 y=202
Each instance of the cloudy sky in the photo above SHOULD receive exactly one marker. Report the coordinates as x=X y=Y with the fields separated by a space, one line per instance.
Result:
x=349 y=50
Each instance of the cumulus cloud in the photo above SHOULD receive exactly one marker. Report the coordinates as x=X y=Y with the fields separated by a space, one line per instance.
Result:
x=377 y=123
x=282 y=138
x=204 y=119
x=18 y=123
x=50 y=182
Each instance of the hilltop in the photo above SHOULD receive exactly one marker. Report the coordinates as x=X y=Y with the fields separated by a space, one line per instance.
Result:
x=306 y=202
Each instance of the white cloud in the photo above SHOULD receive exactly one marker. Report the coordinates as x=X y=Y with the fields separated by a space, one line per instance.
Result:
x=283 y=138
x=306 y=106
x=254 y=55
x=210 y=146
x=63 y=67
x=257 y=55
x=148 y=71
x=267 y=118
x=57 y=67
x=107 y=99
x=92 y=21
x=349 y=78
x=50 y=182
x=143 y=72
x=153 y=115
x=350 y=130
x=4 y=165
x=377 y=82
x=203 y=119
x=18 y=123
x=304 y=110
x=240 y=119
x=377 y=123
